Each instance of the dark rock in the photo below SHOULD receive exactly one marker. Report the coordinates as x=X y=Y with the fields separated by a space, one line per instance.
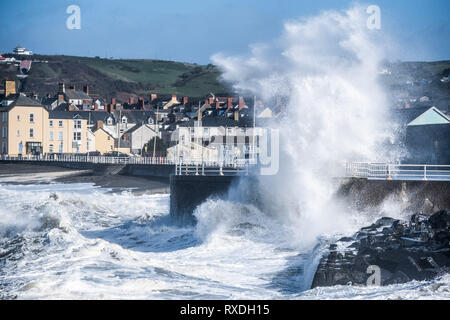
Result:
x=418 y=249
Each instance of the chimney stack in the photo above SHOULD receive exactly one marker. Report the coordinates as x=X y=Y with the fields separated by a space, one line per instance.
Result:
x=113 y=101
x=236 y=115
x=60 y=98
x=153 y=96
x=229 y=103
x=185 y=100
x=217 y=104
x=241 y=103
x=141 y=103
x=210 y=100
x=131 y=100
x=61 y=87
x=99 y=124
x=86 y=89
x=10 y=87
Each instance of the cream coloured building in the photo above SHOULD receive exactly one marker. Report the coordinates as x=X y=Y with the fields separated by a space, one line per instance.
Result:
x=27 y=128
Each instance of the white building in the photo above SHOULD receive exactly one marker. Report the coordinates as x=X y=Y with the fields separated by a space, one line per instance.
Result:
x=22 y=51
x=217 y=140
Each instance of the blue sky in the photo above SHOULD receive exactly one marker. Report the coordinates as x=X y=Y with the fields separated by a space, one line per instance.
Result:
x=194 y=30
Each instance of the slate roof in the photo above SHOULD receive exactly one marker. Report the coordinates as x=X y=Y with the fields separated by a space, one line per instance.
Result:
x=134 y=128
x=134 y=116
x=78 y=95
x=93 y=116
x=21 y=100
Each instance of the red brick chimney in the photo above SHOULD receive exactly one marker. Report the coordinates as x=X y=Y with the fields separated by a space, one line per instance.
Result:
x=153 y=96
x=241 y=103
x=86 y=89
x=229 y=103
x=217 y=104
x=99 y=124
x=131 y=100
x=211 y=100
x=185 y=100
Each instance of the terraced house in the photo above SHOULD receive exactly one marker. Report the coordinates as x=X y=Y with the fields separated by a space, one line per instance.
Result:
x=28 y=128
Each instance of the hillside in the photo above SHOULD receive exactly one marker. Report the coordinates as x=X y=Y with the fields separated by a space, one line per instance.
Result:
x=404 y=81
x=118 y=77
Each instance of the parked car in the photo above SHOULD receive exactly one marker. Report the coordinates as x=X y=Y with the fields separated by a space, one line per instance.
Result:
x=94 y=153
x=116 y=154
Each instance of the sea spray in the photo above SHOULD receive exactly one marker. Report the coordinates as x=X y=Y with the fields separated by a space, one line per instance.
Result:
x=325 y=68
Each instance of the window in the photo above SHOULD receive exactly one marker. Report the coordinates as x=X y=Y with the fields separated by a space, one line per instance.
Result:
x=51 y=123
x=31 y=117
x=60 y=136
x=77 y=124
x=150 y=121
x=60 y=123
x=109 y=121
x=31 y=133
x=76 y=136
x=18 y=117
x=230 y=131
x=124 y=119
x=18 y=133
x=51 y=136
x=3 y=147
x=109 y=138
x=20 y=147
x=4 y=132
x=5 y=116
x=50 y=148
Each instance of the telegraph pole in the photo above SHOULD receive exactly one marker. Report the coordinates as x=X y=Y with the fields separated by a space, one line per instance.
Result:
x=157 y=131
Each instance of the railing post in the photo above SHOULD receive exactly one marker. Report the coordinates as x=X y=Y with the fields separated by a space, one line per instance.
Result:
x=425 y=172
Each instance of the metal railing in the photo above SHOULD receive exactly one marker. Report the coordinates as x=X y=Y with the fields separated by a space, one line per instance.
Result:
x=385 y=171
x=210 y=169
x=92 y=159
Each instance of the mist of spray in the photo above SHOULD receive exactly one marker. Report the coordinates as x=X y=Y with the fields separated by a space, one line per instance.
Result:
x=326 y=68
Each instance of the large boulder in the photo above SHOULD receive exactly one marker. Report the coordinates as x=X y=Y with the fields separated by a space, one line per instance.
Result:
x=418 y=249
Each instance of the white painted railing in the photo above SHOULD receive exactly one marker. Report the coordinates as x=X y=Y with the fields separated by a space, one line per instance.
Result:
x=386 y=171
x=210 y=169
x=92 y=159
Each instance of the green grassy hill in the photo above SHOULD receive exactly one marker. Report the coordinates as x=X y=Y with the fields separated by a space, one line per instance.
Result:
x=113 y=77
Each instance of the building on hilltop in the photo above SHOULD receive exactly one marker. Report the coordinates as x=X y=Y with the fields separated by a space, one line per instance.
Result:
x=22 y=51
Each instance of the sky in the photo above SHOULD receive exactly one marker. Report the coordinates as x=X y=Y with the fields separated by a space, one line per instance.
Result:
x=192 y=31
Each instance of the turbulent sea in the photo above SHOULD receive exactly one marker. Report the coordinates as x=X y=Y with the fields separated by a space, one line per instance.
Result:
x=77 y=241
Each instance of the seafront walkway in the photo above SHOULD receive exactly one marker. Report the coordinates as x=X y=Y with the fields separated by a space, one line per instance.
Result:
x=235 y=167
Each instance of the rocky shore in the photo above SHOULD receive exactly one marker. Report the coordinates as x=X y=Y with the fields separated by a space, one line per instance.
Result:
x=418 y=249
